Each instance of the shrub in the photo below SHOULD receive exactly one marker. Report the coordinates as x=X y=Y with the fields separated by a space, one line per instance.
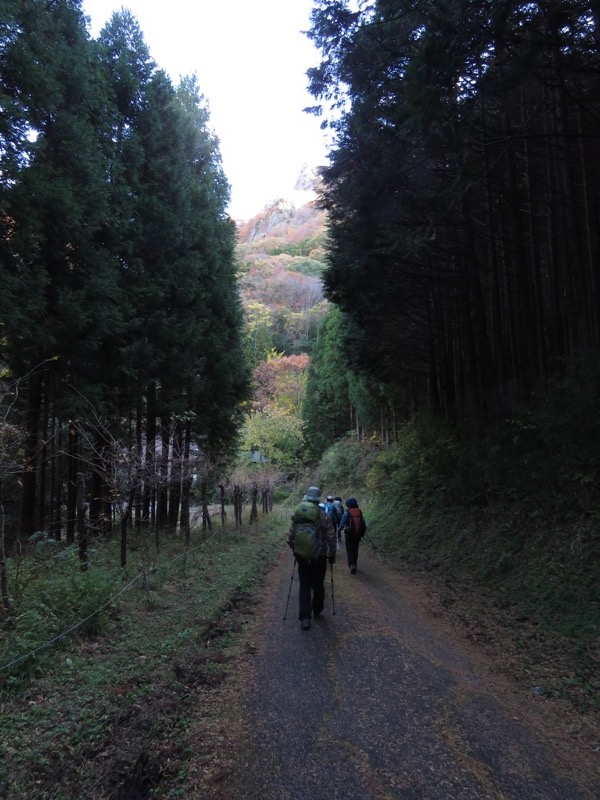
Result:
x=345 y=465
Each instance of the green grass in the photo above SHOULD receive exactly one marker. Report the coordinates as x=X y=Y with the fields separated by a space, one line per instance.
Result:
x=100 y=701
x=519 y=580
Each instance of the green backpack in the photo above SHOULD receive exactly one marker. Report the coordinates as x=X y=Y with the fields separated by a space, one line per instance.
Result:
x=306 y=526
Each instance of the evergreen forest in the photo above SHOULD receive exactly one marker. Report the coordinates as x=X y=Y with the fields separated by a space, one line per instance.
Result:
x=425 y=335
x=122 y=351
x=461 y=349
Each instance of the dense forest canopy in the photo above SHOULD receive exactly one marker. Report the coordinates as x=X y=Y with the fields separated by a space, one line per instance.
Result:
x=122 y=347
x=462 y=193
x=456 y=236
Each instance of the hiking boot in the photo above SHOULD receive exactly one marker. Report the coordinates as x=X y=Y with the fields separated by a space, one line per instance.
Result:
x=305 y=624
x=353 y=568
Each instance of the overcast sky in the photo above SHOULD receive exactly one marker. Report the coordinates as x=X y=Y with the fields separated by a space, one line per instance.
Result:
x=250 y=58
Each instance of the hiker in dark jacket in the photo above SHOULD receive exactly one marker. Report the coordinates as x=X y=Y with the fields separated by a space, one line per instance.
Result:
x=311 y=572
x=354 y=527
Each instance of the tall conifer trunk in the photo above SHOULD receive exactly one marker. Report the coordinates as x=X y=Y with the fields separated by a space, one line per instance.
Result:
x=55 y=483
x=42 y=504
x=28 y=496
x=163 y=476
x=137 y=502
x=150 y=472
x=186 y=485
x=3 y=569
x=72 y=465
x=177 y=469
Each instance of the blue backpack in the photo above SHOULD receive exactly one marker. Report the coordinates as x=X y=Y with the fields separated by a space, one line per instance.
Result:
x=331 y=509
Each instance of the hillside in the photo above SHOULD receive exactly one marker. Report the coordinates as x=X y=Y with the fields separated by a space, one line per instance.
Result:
x=281 y=258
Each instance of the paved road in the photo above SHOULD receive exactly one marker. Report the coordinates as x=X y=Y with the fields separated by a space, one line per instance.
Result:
x=380 y=702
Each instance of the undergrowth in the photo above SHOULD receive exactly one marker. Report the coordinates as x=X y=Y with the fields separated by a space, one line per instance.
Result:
x=103 y=712
x=50 y=595
x=507 y=513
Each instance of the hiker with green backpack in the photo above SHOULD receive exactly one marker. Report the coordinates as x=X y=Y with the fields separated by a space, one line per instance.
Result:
x=354 y=527
x=312 y=539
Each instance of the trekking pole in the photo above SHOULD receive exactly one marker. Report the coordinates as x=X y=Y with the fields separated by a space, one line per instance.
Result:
x=372 y=543
x=332 y=594
x=290 y=591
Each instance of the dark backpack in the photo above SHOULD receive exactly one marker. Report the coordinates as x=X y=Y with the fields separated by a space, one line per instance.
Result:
x=356 y=527
x=306 y=527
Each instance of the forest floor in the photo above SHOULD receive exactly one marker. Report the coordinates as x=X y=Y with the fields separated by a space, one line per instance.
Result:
x=422 y=690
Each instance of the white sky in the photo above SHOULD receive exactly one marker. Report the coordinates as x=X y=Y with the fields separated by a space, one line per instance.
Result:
x=250 y=58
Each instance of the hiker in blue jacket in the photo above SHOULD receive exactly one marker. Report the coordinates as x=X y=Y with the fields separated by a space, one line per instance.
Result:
x=354 y=527
x=334 y=515
x=339 y=507
x=312 y=571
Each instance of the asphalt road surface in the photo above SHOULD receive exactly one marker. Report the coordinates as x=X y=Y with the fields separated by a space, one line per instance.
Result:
x=381 y=701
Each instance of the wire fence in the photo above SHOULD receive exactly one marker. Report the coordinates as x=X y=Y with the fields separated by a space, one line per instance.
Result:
x=110 y=601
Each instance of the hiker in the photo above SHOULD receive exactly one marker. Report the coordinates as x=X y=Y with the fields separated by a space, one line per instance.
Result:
x=354 y=527
x=312 y=539
x=339 y=507
x=334 y=515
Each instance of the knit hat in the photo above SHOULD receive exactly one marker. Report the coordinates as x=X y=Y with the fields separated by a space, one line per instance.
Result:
x=351 y=502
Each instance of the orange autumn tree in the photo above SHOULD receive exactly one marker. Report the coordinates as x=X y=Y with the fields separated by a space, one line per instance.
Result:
x=280 y=382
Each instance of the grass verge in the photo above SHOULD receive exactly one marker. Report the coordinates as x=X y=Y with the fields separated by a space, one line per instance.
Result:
x=111 y=715
x=516 y=586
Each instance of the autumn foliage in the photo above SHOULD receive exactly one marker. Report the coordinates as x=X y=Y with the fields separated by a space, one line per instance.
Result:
x=281 y=382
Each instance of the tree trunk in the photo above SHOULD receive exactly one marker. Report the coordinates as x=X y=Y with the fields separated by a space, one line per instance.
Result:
x=141 y=482
x=186 y=486
x=125 y=517
x=223 y=510
x=96 y=515
x=237 y=505
x=55 y=483
x=177 y=471
x=254 y=506
x=163 y=477
x=3 y=567
x=82 y=528
x=28 y=495
x=206 y=523
x=42 y=448
x=150 y=476
x=72 y=446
